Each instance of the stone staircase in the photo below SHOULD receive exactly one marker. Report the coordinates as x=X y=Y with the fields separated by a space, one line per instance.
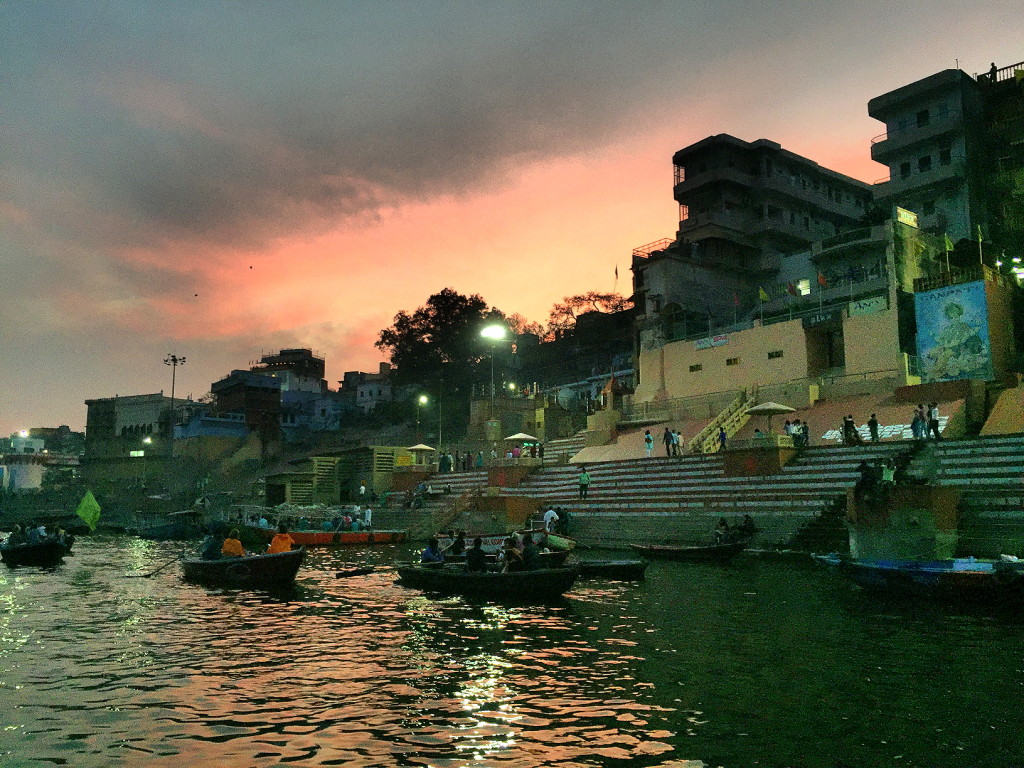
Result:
x=990 y=474
x=667 y=499
x=562 y=449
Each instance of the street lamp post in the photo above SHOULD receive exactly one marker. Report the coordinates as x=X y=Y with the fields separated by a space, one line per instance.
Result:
x=174 y=361
x=495 y=334
x=420 y=402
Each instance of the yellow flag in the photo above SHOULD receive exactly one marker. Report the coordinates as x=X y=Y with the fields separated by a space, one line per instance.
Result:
x=762 y=294
x=949 y=243
x=89 y=510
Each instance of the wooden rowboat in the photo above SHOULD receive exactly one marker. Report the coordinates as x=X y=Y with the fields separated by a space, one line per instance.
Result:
x=712 y=553
x=254 y=571
x=44 y=554
x=537 y=585
x=616 y=570
x=964 y=579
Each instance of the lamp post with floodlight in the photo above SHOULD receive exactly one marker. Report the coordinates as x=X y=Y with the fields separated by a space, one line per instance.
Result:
x=174 y=361
x=495 y=334
x=420 y=402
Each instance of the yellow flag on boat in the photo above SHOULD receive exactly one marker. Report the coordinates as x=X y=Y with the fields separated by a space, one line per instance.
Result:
x=89 y=510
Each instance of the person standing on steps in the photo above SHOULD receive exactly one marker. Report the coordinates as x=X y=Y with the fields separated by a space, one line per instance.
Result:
x=584 y=480
x=873 y=428
x=667 y=440
x=648 y=443
x=933 y=421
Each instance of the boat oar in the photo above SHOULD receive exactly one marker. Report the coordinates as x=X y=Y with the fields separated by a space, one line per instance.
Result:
x=156 y=570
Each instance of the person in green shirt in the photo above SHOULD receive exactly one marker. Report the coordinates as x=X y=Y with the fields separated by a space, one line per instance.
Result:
x=584 y=480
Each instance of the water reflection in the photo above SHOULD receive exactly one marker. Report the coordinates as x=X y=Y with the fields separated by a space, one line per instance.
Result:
x=760 y=664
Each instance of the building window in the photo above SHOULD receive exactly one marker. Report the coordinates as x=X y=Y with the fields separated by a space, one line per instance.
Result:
x=695 y=368
x=684 y=212
x=928 y=208
x=904 y=170
x=945 y=156
x=922 y=118
x=924 y=163
x=732 y=361
x=775 y=354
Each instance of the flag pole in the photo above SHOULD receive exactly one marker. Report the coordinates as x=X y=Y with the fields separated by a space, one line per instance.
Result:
x=981 y=260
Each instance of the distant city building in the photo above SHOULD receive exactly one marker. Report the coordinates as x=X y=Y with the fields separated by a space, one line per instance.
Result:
x=115 y=426
x=254 y=396
x=365 y=390
x=299 y=370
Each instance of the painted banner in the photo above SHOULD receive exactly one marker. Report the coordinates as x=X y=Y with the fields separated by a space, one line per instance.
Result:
x=952 y=333
x=868 y=306
x=712 y=341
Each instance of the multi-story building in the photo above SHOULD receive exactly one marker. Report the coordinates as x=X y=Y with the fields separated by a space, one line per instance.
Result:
x=256 y=396
x=742 y=207
x=116 y=426
x=931 y=145
x=364 y=390
x=298 y=370
x=954 y=145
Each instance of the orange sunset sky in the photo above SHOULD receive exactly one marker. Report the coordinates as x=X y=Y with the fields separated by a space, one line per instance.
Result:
x=222 y=180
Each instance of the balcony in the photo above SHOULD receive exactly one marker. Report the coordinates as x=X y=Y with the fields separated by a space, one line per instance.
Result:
x=886 y=145
x=939 y=177
x=693 y=181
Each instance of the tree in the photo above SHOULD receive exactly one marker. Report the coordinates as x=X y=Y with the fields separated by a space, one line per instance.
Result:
x=563 y=315
x=519 y=325
x=440 y=341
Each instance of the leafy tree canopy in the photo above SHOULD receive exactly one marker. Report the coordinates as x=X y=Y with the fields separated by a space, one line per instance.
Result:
x=564 y=313
x=440 y=340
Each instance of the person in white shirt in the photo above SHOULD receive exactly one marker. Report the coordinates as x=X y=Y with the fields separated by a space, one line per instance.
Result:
x=550 y=518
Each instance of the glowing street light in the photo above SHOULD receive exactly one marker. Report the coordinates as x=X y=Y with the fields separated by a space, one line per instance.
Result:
x=174 y=361
x=420 y=402
x=494 y=334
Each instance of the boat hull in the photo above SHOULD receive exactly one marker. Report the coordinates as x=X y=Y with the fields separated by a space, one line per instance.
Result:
x=537 y=585
x=255 y=571
x=957 y=580
x=616 y=570
x=46 y=554
x=343 y=538
x=714 y=553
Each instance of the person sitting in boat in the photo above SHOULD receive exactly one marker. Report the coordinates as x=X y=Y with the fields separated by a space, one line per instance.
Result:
x=722 y=532
x=232 y=547
x=457 y=547
x=511 y=559
x=211 y=547
x=15 y=537
x=34 y=533
x=747 y=528
x=281 y=542
x=433 y=553
x=530 y=553
x=476 y=559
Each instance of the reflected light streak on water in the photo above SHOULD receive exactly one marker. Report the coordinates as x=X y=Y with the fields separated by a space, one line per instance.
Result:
x=760 y=664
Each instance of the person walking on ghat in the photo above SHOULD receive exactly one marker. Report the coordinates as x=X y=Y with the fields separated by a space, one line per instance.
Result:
x=667 y=440
x=584 y=480
x=933 y=421
x=873 y=428
x=648 y=442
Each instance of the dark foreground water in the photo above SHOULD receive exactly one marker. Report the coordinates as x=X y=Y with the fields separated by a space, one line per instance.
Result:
x=764 y=663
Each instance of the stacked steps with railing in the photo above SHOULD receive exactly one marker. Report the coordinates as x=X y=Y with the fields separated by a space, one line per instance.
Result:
x=682 y=498
x=990 y=474
x=562 y=449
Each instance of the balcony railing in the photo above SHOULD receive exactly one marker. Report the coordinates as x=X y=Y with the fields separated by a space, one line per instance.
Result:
x=1005 y=73
x=644 y=251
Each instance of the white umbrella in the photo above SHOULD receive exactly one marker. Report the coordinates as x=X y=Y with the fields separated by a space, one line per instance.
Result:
x=420 y=447
x=521 y=436
x=769 y=409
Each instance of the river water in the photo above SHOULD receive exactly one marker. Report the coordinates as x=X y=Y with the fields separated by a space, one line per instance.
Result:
x=761 y=663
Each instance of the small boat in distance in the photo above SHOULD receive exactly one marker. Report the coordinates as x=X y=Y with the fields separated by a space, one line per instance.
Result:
x=43 y=554
x=711 y=553
x=253 y=571
x=537 y=585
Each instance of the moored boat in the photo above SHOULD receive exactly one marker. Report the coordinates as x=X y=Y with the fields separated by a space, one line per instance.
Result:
x=712 y=553
x=43 y=554
x=966 y=579
x=616 y=570
x=260 y=571
x=314 y=538
x=531 y=585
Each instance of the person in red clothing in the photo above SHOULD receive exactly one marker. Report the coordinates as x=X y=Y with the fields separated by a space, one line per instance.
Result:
x=281 y=542
x=232 y=546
